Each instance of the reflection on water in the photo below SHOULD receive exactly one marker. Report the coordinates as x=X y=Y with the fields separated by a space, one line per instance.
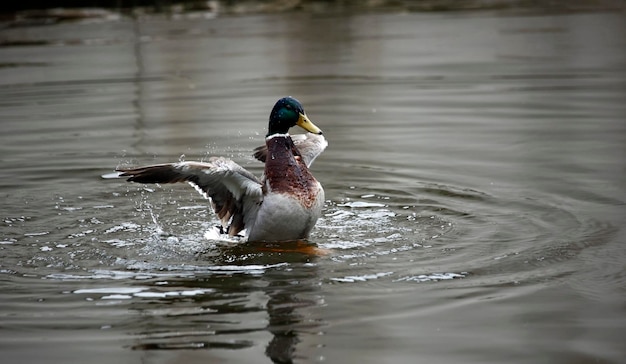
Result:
x=474 y=178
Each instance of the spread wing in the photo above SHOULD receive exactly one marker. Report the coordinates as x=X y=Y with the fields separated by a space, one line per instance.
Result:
x=309 y=145
x=235 y=193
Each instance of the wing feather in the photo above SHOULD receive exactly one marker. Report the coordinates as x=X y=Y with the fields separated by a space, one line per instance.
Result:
x=235 y=193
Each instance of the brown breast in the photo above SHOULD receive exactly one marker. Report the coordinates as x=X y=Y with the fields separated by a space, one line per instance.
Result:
x=286 y=173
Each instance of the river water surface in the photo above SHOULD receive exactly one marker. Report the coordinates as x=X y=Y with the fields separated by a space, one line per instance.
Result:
x=475 y=184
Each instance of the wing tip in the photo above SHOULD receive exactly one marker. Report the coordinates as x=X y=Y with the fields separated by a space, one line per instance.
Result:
x=113 y=175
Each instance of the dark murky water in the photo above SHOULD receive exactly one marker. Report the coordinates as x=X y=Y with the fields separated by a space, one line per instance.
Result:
x=475 y=178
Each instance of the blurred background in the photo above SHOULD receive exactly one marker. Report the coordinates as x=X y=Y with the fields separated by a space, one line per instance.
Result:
x=239 y=6
x=475 y=181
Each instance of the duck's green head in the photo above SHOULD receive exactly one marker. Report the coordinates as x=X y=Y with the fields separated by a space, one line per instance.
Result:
x=286 y=113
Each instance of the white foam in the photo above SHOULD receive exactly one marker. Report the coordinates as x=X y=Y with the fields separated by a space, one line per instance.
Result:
x=126 y=226
x=432 y=277
x=361 y=204
x=37 y=234
x=116 y=297
x=361 y=278
x=151 y=270
x=193 y=207
x=112 y=290
x=126 y=293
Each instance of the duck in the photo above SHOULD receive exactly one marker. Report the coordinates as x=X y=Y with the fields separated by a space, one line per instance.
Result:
x=284 y=204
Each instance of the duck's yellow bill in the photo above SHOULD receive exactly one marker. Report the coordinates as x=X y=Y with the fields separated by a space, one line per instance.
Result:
x=306 y=124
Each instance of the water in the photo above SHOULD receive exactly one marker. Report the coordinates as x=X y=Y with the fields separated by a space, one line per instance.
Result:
x=475 y=181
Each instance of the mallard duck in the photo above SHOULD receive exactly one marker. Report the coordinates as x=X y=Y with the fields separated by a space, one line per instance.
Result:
x=283 y=205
